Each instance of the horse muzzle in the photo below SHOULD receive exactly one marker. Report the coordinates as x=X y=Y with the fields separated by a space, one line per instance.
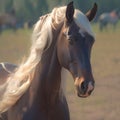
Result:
x=84 y=87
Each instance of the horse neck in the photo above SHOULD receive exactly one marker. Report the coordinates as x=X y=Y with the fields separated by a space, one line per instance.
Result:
x=48 y=74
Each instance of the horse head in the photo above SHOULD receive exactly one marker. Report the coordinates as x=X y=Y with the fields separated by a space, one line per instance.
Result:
x=74 y=48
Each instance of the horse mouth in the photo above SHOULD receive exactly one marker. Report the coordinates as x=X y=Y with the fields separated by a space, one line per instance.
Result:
x=82 y=96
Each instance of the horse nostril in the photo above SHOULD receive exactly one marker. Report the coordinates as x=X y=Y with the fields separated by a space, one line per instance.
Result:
x=83 y=87
x=89 y=92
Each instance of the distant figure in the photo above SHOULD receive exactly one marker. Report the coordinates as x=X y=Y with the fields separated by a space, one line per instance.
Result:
x=28 y=24
x=8 y=20
x=109 y=18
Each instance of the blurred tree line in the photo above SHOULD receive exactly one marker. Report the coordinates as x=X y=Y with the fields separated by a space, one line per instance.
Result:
x=32 y=9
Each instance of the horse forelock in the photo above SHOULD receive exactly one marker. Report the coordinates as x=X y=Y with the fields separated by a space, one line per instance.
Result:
x=58 y=14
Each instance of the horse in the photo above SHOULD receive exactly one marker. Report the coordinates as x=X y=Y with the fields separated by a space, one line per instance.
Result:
x=34 y=89
x=109 y=18
x=8 y=20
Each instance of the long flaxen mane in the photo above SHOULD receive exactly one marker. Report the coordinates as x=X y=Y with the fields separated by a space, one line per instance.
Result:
x=19 y=81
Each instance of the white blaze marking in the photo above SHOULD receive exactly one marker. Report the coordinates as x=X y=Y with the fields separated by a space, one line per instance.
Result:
x=82 y=33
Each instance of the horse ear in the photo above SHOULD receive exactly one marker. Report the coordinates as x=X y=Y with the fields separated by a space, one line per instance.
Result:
x=70 y=12
x=91 y=13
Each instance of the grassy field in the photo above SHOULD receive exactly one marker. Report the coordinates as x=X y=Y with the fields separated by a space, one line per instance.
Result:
x=104 y=103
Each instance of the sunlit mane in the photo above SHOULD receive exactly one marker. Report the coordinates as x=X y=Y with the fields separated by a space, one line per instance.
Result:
x=19 y=81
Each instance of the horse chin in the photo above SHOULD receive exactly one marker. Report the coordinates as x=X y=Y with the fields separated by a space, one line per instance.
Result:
x=83 y=96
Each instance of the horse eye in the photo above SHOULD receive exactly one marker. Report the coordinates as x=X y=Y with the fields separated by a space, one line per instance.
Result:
x=76 y=39
x=69 y=37
x=71 y=42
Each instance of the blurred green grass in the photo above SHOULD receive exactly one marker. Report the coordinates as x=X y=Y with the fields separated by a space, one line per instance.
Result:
x=104 y=103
